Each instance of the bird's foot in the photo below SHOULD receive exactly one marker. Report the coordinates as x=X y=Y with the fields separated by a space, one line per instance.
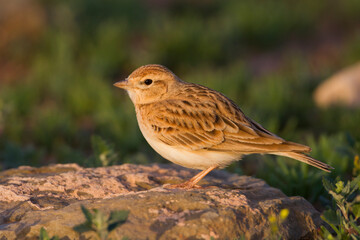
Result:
x=192 y=183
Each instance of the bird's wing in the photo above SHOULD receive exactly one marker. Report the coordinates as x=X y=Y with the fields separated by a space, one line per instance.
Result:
x=189 y=126
x=208 y=120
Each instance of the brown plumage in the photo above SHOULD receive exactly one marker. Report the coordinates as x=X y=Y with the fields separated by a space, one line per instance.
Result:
x=183 y=120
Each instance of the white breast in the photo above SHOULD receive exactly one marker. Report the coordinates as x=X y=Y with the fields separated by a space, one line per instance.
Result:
x=199 y=159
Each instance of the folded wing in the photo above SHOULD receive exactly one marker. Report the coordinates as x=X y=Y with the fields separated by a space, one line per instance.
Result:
x=209 y=120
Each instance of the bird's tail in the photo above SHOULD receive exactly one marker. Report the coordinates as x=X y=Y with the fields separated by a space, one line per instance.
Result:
x=306 y=159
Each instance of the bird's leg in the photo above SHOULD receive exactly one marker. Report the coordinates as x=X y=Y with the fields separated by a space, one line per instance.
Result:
x=194 y=180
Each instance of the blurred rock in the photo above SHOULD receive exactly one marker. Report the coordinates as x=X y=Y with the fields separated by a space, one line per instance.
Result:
x=342 y=89
x=50 y=197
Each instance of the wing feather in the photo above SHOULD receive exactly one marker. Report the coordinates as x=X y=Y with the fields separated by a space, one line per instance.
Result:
x=210 y=121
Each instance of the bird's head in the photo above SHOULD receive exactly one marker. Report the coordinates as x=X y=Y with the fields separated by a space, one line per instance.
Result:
x=148 y=83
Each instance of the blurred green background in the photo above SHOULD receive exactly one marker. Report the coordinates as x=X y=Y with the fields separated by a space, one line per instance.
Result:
x=59 y=59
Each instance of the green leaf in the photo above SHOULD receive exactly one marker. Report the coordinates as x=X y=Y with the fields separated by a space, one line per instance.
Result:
x=337 y=197
x=99 y=219
x=355 y=184
x=117 y=218
x=84 y=227
x=43 y=234
x=327 y=185
x=356 y=210
x=89 y=217
x=325 y=233
x=330 y=217
x=339 y=186
x=347 y=188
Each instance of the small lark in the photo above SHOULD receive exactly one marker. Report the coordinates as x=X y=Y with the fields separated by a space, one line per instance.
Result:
x=197 y=127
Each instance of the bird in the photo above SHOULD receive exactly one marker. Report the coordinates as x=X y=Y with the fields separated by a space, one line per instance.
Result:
x=196 y=127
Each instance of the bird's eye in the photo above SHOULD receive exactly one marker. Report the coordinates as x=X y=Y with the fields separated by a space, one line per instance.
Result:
x=148 y=81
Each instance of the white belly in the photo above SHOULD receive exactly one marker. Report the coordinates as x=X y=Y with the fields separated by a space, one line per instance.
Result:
x=199 y=159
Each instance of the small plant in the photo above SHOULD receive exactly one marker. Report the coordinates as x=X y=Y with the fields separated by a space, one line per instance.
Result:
x=276 y=221
x=45 y=236
x=99 y=223
x=295 y=178
x=104 y=154
x=344 y=218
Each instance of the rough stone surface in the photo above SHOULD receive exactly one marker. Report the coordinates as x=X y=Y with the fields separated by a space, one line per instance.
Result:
x=228 y=207
x=341 y=89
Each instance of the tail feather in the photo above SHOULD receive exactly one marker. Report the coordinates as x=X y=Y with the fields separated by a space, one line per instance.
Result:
x=296 y=147
x=306 y=159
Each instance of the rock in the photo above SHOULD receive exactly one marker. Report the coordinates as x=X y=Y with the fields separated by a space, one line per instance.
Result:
x=228 y=207
x=341 y=89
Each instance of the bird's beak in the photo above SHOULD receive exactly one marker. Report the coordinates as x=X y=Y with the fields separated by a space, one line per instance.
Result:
x=122 y=84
